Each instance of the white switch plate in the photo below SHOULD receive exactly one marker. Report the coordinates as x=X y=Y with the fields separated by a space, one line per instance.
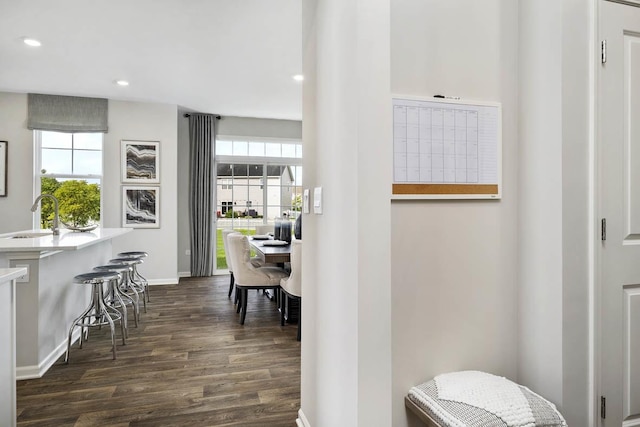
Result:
x=25 y=277
x=187 y=252
x=317 y=200
x=305 y=201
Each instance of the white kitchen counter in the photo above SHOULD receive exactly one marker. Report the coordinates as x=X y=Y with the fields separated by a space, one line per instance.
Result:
x=8 y=347
x=8 y=274
x=66 y=241
x=47 y=300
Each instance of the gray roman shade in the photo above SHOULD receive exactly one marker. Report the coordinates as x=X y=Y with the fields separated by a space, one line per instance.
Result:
x=67 y=113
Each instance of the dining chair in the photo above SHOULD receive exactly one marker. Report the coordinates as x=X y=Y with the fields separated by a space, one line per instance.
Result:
x=256 y=261
x=291 y=287
x=225 y=234
x=264 y=229
x=247 y=275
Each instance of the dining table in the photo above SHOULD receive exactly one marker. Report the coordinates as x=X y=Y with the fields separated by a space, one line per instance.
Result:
x=270 y=254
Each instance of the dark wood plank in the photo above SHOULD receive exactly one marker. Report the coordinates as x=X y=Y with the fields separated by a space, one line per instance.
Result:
x=189 y=363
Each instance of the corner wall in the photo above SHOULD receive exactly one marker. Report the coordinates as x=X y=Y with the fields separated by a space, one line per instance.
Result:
x=15 y=209
x=540 y=220
x=346 y=344
x=578 y=225
x=454 y=274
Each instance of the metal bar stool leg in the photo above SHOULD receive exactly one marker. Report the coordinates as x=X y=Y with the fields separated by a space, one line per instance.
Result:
x=98 y=310
x=139 y=287
x=138 y=277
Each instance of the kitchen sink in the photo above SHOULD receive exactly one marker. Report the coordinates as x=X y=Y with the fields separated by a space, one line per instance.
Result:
x=30 y=235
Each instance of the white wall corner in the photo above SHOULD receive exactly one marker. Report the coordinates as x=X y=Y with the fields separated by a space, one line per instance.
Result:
x=302 y=420
x=38 y=371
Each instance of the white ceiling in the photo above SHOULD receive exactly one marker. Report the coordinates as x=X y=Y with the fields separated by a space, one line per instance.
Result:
x=229 y=57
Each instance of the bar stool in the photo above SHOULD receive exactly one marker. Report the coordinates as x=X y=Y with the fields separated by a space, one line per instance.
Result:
x=131 y=283
x=115 y=297
x=139 y=277
x=98 y=310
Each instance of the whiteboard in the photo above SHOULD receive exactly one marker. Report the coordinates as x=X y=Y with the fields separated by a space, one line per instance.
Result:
x=446 y=148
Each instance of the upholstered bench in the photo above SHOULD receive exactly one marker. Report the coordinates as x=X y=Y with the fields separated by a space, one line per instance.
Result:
x=478 y=399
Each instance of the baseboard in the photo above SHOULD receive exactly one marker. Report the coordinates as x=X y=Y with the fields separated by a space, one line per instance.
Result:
x=302 y=421
x=184 y=274
x=37 y=371
x=171 y=281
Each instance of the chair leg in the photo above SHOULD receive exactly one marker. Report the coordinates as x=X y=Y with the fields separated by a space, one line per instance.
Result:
x=239 y=296
x=243 y=313
x=299 y=337
x=282 y=306
x=231 y=282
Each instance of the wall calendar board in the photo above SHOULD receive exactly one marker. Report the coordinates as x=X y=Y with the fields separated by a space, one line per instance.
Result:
x=446 y=149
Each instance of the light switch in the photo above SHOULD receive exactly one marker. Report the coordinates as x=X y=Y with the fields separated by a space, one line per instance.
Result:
x=317 y=200
x=305 y=201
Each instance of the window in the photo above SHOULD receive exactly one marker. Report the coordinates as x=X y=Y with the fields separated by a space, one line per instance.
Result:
x=257 y=181
x=69 y=166
x=228 y=146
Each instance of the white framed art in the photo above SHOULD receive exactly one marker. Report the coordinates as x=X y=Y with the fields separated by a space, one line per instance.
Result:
x=140 y=207
x=140 y=162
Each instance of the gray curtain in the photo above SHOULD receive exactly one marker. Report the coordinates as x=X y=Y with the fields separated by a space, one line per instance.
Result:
x=67 y=113
x=202 y=131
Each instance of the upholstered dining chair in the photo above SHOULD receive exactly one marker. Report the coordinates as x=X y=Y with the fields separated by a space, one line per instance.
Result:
x=257 y=262
x=226 y=233
x=291 y=287
x=264 y=229
x=247 y=275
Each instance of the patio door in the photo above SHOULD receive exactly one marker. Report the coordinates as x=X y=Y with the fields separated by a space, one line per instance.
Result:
x=252 y=194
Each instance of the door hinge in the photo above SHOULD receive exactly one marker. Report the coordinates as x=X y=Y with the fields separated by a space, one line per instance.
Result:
x=603 y=229
x=603 y=51
x=603 y=407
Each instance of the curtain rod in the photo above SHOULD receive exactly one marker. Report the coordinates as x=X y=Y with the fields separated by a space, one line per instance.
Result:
x=189 y=115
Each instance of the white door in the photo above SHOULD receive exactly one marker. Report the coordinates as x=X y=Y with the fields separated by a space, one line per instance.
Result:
x=619 y=189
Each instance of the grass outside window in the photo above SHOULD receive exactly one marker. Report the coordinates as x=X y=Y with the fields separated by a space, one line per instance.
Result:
x=221 y=259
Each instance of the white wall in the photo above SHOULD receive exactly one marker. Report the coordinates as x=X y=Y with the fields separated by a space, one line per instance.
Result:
x=540 y=219
x=346 y=359
x=127 y=120
x=252 y=126
x=308 y=355
x=454 y=274
x=15 y=210
x=578 y=59
x=145 y=122
x=227 y=125
x=554 y=227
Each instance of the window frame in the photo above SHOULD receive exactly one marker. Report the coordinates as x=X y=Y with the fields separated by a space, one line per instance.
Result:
x=253 y=160
x=37 y=170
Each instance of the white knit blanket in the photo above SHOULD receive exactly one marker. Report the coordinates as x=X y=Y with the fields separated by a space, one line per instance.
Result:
x=494 y=394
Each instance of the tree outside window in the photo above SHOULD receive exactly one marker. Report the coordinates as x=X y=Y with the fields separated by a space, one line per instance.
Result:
x=71 y=170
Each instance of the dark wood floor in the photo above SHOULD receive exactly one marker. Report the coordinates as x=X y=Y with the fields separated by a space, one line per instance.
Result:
x=188 y=364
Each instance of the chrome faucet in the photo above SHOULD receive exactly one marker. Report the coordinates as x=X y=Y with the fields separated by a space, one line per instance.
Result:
x=56 y=217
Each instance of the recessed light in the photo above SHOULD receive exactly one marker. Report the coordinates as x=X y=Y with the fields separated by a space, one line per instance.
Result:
x=122 y=83
x=298 y=77
x=31 y=42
